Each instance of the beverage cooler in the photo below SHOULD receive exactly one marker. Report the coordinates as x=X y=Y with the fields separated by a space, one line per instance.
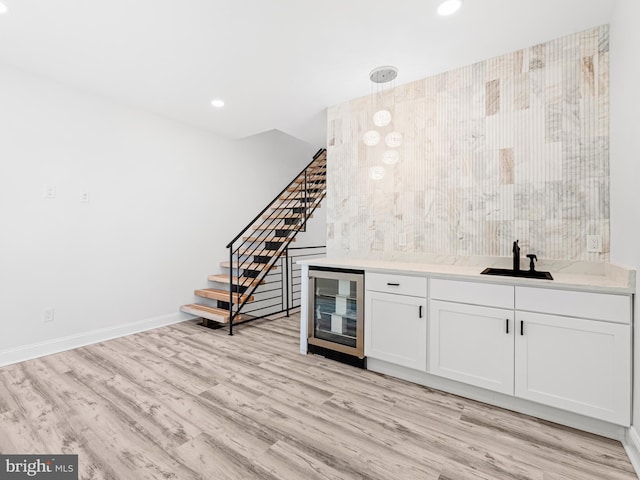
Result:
x=336 y=317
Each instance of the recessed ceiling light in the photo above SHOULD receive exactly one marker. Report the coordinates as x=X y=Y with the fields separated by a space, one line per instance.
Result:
x=3 y=8
x=448 y=7
x=217 y=103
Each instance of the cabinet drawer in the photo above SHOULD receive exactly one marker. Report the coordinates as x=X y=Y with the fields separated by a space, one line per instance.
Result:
x=400 y=284
x=597 y=306
x=488 y=294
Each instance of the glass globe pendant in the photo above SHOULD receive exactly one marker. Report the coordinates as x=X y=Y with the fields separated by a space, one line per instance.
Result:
x=390 y=157
x=393 y=140
x=377 y=172
x=371 y=138
x=382 y=118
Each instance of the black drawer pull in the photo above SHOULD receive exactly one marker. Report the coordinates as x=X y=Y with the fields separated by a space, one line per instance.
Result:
x=420 y=311
x=507 y=326
x=393 y=284
x=521 y=327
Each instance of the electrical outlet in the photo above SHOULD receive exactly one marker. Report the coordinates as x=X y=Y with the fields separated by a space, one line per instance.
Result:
x=50 y=191
x=47 y=315
x=84 y=197
x=402 y=239
x=594 y=243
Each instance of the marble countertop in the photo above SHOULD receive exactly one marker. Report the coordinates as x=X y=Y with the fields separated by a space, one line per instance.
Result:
x=600 y=278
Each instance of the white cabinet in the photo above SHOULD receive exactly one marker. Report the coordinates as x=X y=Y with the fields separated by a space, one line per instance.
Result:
x=395 y=327
x=471 y=333
x=551 y=355
x=472 y=344
x=575 y=364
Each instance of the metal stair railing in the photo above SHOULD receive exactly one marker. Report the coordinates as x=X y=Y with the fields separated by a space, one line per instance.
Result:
x=301 y=202
x=280 y=291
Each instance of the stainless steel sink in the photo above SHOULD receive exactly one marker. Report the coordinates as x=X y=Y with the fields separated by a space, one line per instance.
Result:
x=506 y=272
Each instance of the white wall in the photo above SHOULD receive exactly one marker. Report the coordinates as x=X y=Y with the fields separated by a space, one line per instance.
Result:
x=165 y=198
x=625 y=153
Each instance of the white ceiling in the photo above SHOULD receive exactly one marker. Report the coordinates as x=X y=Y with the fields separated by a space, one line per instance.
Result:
x=276 y=63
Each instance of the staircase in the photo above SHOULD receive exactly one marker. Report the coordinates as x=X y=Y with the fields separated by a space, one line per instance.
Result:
x=254 y=252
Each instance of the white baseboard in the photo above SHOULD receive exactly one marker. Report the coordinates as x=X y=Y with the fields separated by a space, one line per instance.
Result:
x=57 y=345
x=631 y=445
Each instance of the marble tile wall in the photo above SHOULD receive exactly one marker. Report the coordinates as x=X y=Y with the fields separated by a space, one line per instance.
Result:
x=514 y=147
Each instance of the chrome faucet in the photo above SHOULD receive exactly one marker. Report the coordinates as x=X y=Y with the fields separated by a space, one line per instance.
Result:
x=516 y=256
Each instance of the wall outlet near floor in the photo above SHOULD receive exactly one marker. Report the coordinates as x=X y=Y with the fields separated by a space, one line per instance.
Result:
x=594 y=243
x=84 y=197
x=402 y=239
x=47 y=315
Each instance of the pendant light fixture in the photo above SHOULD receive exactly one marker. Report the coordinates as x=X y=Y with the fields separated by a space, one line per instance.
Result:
x=382 y=80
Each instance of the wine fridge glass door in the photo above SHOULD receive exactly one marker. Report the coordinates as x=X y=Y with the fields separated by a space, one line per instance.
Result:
x=335 y=311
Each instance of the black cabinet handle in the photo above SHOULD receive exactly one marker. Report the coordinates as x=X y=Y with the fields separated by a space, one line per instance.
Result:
x=507 y=326
x=521 y=327
x=393 y=284
x=420 y=311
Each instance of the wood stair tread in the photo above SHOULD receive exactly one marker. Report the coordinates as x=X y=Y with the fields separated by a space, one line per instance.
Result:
x=312 y=175
x=316 y=197
x=222 y=295
x=249 y=266
x=299 y=195
x=268 y=239
x=277 y=227
x=285 y=215
x=287 y=205
x=311 y=188
x=312 y=179
x=219 y=315
x=260 y=253
x=242 y=281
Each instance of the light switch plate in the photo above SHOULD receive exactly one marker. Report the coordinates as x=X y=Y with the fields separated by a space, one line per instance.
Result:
x=50 y=191
x=47 y=314
x=594 y=243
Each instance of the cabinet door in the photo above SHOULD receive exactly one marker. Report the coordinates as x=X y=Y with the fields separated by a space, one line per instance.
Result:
x=472 y=344
x=395 y=329
x=575 y=364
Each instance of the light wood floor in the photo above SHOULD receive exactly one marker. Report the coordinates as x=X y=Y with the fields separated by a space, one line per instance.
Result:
x=183 y=402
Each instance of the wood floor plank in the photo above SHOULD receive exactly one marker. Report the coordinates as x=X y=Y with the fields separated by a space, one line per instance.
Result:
x=308 y=432
x=214 y=459
x=183 y=377
x=439 y=441
x=185 y=402
x=287 y=461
